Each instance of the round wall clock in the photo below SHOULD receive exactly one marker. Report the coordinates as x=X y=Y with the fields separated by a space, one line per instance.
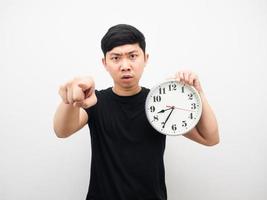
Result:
x=173 y=108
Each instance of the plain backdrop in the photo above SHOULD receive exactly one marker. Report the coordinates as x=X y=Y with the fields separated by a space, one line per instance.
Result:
x=43 y=44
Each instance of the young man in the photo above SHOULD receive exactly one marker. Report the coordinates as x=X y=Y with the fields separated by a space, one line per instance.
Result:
x=127 y=153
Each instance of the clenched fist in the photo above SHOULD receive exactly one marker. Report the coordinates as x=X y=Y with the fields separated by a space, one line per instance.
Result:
x=79 y=92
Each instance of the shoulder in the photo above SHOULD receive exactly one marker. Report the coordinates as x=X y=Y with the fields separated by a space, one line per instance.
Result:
x=103 y=92
x=102 y=96
x=145 y=90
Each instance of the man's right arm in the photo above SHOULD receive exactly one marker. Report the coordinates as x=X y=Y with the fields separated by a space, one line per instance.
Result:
x=70 y=115
x=68 y=120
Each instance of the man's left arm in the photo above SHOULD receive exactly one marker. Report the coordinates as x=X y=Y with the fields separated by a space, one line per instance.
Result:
x=206 y=132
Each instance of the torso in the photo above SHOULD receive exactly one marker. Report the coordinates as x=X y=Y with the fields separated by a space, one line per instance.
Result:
x=127 y=153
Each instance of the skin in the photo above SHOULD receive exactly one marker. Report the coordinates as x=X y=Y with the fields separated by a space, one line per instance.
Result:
x=206 y=132
x=125 y=64
x=127 y=60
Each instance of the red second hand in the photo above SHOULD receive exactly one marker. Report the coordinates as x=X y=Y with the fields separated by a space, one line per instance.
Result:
x=180 y=108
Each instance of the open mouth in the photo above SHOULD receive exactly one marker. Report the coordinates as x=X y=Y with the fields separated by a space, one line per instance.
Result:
x=126 y=77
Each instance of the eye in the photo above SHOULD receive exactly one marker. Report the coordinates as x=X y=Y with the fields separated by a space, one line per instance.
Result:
x=115 y=58
x=133 y=56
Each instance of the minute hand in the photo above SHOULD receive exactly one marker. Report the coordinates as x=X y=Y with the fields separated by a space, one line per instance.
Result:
x=168 y=118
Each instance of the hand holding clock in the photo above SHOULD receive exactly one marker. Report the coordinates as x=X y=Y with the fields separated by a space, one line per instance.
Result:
x=184 y=94
x=190 y=78
x=207 y=132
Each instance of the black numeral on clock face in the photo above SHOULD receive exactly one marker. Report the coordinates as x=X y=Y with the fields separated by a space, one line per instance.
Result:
x=163 y=125
x=193 y=106
x=162 y=91
x=174 y=127
x=191 y=116
x=190 y=96
x=157 y=98
x=172 y=87
x=184 y=124
x=155 y=118
x=182 y=89
x=152 y=109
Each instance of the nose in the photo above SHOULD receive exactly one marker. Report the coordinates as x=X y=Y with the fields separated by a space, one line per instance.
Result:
x=125 y=65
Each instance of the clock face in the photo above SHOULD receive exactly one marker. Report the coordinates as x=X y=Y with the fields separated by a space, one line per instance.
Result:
x=173 y=108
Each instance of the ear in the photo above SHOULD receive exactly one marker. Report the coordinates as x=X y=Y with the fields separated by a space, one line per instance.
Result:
x=104 y=62
x=146 y=58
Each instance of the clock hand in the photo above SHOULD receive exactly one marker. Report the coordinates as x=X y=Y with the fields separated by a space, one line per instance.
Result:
x=168 y=117
x=180 y=108
x=163 y=110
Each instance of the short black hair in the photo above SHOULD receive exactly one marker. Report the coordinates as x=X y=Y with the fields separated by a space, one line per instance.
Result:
x=122 y=34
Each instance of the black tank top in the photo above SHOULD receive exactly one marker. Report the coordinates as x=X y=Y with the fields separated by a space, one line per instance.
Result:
x=127 y=153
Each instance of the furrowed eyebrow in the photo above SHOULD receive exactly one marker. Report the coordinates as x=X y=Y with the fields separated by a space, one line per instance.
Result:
x=115 y=54
x=120 y=54
x=134 y=51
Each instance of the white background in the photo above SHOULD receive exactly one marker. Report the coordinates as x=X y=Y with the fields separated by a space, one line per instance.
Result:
x=45 y=43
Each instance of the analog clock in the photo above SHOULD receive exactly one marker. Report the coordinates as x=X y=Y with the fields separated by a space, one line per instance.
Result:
x=173 y=108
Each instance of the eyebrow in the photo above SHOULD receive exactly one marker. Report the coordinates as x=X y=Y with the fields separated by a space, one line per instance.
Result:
x=119 y=54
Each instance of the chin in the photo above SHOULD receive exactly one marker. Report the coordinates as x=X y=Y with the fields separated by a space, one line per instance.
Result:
x=128 y=85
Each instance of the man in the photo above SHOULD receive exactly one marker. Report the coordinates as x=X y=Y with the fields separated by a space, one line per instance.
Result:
x=127 y=153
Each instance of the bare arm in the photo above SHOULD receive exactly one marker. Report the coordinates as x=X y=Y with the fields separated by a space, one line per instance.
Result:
x=206 y=132
x=68 y=120
x=70 y=115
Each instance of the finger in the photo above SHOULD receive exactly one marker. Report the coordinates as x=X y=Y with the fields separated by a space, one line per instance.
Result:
x=70 y=95
x=186 y=77
x=197 y=85
x=88 y=102
x=78 y=94
x=88 y=92
x=177 y=77
x=63 y=93
x=192 y=78
x=181 y=76
x=86 y=84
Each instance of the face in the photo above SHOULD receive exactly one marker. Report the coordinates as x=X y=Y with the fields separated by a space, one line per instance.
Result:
x=125 y=64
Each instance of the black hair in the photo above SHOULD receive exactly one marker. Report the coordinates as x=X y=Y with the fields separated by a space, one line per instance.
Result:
x=122 y=34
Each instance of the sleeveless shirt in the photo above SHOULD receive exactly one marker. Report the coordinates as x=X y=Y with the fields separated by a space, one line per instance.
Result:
x=127 y=153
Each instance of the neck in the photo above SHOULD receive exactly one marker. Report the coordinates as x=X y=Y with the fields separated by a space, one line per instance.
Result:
x=126 y=91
